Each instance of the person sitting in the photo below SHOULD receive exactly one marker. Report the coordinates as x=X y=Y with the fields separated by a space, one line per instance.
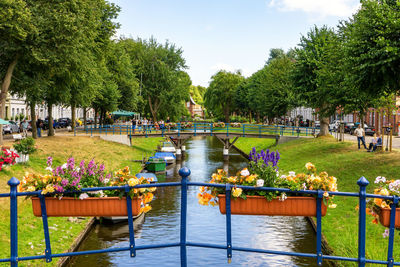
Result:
x=376 y=141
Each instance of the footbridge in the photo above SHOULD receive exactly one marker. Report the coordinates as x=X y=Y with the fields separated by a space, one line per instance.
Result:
x=179 y=133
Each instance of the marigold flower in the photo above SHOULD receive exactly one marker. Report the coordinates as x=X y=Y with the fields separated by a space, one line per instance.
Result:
x=250 y=178
x=378 y=201
x=375 y=221
x=133 y=181
x=30 y=188
x=232 y=179
x=309 y=166
x=326 y=194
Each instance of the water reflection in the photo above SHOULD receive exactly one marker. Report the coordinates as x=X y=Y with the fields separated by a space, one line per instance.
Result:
x=205 y=224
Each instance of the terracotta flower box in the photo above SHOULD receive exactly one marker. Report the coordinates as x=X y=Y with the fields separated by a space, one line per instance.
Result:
x=88 y=207
x=258 y=205
x=384 y=217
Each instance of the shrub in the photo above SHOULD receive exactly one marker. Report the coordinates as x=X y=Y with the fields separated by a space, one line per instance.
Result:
x=26 y=146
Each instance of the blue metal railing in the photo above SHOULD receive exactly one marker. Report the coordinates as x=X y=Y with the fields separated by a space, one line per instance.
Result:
x=245 y=129
x=184 y=243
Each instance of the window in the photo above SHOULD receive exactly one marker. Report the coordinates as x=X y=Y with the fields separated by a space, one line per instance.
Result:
x=13 y=112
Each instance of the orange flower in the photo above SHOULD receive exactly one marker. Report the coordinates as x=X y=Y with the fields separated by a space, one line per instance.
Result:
x=375 y=221
x=378 y=201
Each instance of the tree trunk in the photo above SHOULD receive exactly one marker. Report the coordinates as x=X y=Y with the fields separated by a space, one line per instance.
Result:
x=33 y=119
x=73 y=115
x=152 y=110
x=4 y=90
x=324 y=126
x=258 y=118
x=95 y=118
x=84 y=118
x=50 y=110
x=227 y=113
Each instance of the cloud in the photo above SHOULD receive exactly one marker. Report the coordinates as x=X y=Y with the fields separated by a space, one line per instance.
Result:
x=321 y=8
x=230 y=68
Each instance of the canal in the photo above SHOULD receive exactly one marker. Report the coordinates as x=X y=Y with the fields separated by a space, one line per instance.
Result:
x=205 y=224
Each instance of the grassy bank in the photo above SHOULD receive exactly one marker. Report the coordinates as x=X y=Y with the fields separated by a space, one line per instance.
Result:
x=63 y=231
x=348 y=164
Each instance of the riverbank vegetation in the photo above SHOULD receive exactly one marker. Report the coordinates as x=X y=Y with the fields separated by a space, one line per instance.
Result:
x=63 y=231
x=348 y=164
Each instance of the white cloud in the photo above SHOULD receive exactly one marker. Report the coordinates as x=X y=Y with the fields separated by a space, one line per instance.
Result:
x=230 y=68
x=321 y=8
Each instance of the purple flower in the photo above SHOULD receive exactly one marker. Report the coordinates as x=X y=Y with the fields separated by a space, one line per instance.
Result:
x=82 y=165
x=102 y=168
x=49 y=161
x=59 y=188
x=64 y=182
x=71 y=163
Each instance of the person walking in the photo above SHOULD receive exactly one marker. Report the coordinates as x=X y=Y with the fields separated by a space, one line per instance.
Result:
x=25 y=125
x=360 y=133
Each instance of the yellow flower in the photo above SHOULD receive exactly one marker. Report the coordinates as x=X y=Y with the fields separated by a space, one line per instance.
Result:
x=384 y=205
x=133 y=181
x=236 y=192
x=250 y=178
x=232 y=179
x=152 y=189
x=148 y=198
x=49 y=189
x=332 y=206
x=326 y=194
x=146 y=208
x=30 y=188
x=384 y=192
x=142 y=190
x=309 y=166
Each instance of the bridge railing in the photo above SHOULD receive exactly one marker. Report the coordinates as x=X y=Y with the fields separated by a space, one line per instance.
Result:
x=183 y=243
x=198 y=127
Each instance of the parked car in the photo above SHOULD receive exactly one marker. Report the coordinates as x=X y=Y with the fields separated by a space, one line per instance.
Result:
x=46 y=124
x=13 y=127
x=64 y=122
x=348 y=126
x=334 y=125
x=317 y=124
x=368 y=130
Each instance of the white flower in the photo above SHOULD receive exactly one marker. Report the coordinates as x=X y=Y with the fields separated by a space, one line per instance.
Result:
x=292 y=173
x=283 y=176
x=64 y=166
x=100 y=192
x=304 y=186
x=380 y=179
x=106 y=181
x=283 y=197
x=277 y=173
x=83 y=196
x=245 y=172
x=49 y=169
x=78 y=169
x=260 y=182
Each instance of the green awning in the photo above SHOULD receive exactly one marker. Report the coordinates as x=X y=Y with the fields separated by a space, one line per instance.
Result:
x=4 y=122
x=123 y=113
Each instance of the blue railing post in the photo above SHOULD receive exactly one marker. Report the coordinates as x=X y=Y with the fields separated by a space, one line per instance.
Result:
x=13 y=183
x=244 y=129
x=47 y=252
x=259 y=131
x=211 y=129
x=391 y=231
x=179 y=129
x=184 y=173
x=319 y=227
x=227 y=130
x=107 y=129
x=91 y=129
x=130 y=222
x=228 y=223
x=194 y=129
x=362 y=182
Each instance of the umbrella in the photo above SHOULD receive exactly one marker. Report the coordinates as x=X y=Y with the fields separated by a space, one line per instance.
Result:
x=4 y=121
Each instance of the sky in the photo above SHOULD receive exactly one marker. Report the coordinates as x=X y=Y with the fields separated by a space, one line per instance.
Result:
x=228 y=34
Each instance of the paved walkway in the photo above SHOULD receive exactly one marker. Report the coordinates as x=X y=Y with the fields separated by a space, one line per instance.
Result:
x=395 y=140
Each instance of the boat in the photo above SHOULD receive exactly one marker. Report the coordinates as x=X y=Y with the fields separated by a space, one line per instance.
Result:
x=169 y=157
x=168 y=147
x=156 y=165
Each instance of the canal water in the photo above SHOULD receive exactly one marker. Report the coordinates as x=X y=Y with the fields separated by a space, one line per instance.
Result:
x=205 y=225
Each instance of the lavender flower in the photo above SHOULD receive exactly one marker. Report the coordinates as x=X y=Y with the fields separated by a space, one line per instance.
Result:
x=49 y=161
x=71 y=163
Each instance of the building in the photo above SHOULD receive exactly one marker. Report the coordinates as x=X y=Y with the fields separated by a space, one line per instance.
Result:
x=194 y=109
x=15 y=108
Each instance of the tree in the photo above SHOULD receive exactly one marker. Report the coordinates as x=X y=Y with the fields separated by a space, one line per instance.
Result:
x=316 y=79
x=219 y=97
x=197 y=93
x=372 y=47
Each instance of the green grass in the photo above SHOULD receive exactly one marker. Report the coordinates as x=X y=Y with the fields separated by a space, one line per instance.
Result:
x=62 y=230
x=348 y=164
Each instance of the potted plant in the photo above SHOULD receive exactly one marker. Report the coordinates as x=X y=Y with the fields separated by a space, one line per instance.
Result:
x=380 y=208
x=263 y=171
x=25 y=147
x=58 y=183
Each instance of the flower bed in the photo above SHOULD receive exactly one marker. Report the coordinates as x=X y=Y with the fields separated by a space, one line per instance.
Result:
x=236 y=125
x=61 y=180
x=263 y=172
x=219 y=124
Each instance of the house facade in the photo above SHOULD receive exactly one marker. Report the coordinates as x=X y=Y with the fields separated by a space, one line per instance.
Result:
x=194 y=109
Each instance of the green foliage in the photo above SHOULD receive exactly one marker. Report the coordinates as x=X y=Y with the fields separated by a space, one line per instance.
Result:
x=197 y=93
x=25 y=146
x=372 y=47
x=219 y=97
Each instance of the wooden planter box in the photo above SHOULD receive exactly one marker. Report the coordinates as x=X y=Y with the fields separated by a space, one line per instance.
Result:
x=88 y=207
x=258 y=205
x=384 y=217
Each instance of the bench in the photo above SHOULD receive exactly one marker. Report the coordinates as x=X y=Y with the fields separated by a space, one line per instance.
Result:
x=379 y=148
x=17 y=137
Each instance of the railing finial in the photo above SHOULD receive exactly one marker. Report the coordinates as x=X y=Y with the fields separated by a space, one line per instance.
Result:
x=184 y=172
x=362 y=181
x=13 y=182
